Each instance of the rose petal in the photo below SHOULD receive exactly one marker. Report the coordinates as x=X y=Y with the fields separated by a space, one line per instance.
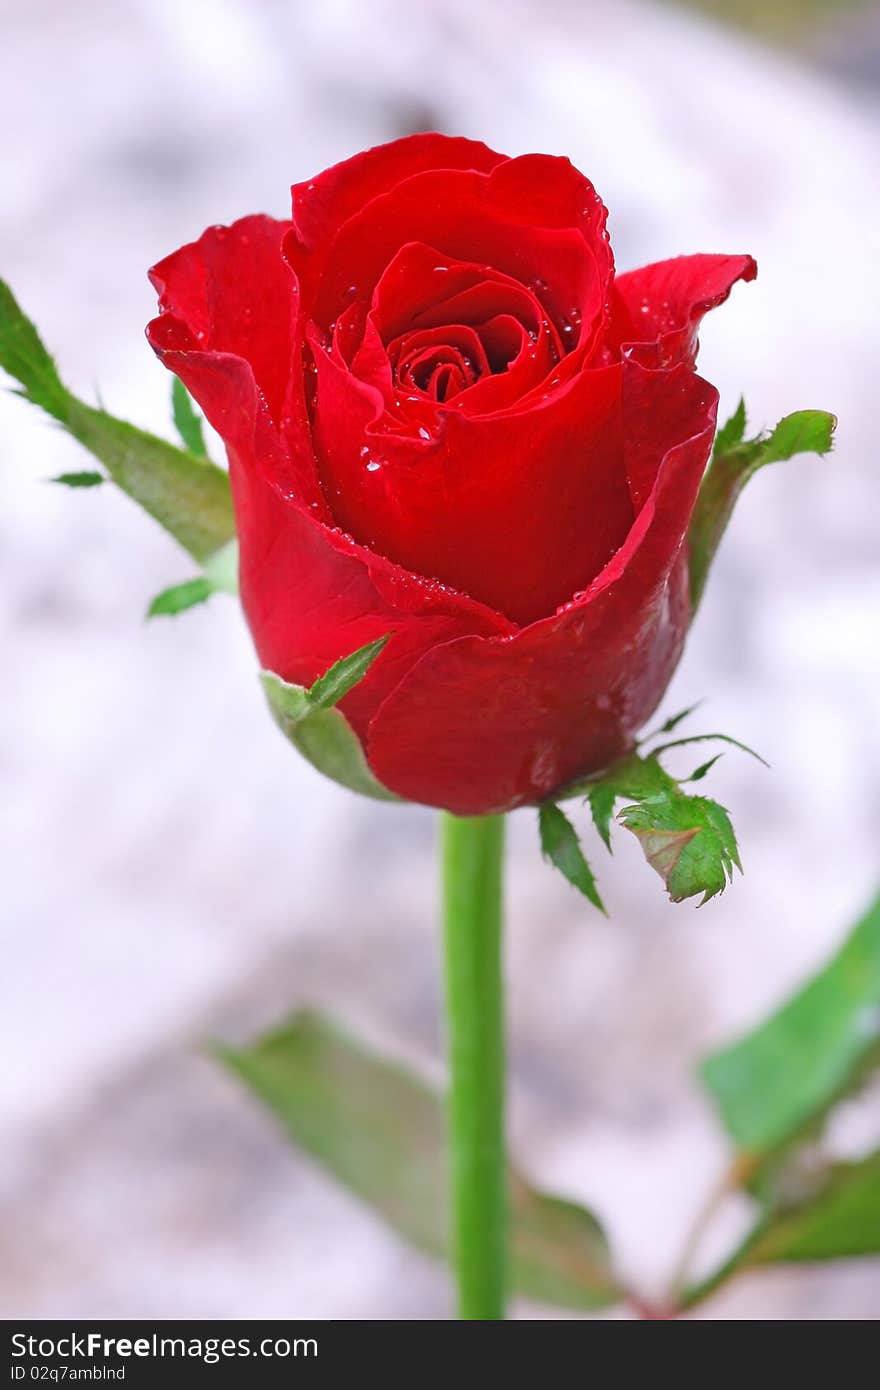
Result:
x=519 y=509
x=513 y=720
x=535 y=218
x=656 y=311
x=311 y=595
x=232 y=291
x=321 y=205
x=228 y=328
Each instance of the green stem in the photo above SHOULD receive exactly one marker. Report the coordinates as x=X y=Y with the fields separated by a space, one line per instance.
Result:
x=473 y=852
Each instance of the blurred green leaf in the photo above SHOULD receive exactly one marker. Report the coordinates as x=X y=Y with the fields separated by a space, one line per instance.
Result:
x=321 y=732
x=734 y=461
x=86 y=478
x=188 y=496
x=560 y=844
x=180 y=597
x=221 y=568
x=838 y=1220
x=186 y=421
x=380 y=1131
x=782 y=1077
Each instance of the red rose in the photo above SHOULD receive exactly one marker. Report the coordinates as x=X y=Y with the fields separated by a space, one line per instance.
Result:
x=447 y=419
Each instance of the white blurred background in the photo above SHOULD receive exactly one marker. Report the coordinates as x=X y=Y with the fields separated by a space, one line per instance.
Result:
x=173 y=873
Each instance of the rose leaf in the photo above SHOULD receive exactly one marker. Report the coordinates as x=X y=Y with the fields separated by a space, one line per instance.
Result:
x=187 y=421
x=734 y=461
x=309 y=719
x=560 y=844
x=189 y=496
x=381 y=1132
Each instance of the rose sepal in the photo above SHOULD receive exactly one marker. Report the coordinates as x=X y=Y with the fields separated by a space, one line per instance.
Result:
x=689 y=840
x=309 y=718
x=734 y=461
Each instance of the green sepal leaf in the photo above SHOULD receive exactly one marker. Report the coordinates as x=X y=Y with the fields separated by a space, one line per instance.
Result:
x=380 y=1131
x=221 y=568
x=560 y=844
x=709 y=738
x=187 y=495
x=700 y=772
x=733 y=431
x=687 y=839
x=186 y=421
x=601 y=799
x=86 y=478
x=343 y=675
x=180 y=597
x=779 y=1081
x=321 y=732
x=734 y=461
x=674 y=721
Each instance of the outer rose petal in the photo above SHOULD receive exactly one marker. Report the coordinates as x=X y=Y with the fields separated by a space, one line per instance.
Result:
x=311 y=596
x=321 y=205
x=232 y=291
x=656 y=311
x=482 y=726
x=229 y=329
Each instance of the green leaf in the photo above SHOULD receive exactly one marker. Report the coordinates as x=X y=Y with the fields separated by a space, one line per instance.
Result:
x=343 y=675
x=380 y=1132
x=840 y=1220
x=733 y=432
x=322 y=733
x=186 y=421
x=688 y=839
x=781 y=1078
x=221 y=568
x=601 y=799
x=83 y=479
x=180 y=597
x=699 y=773
x=709 y=738
x=560 y=844
x=674 y=721
x=188 y=496
x=734 y=462
x=837 y=1216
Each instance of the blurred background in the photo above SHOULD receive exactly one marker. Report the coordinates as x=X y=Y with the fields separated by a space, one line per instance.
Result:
x=173 y=873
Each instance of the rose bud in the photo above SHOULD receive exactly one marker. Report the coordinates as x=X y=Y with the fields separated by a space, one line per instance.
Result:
x=447 y=420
